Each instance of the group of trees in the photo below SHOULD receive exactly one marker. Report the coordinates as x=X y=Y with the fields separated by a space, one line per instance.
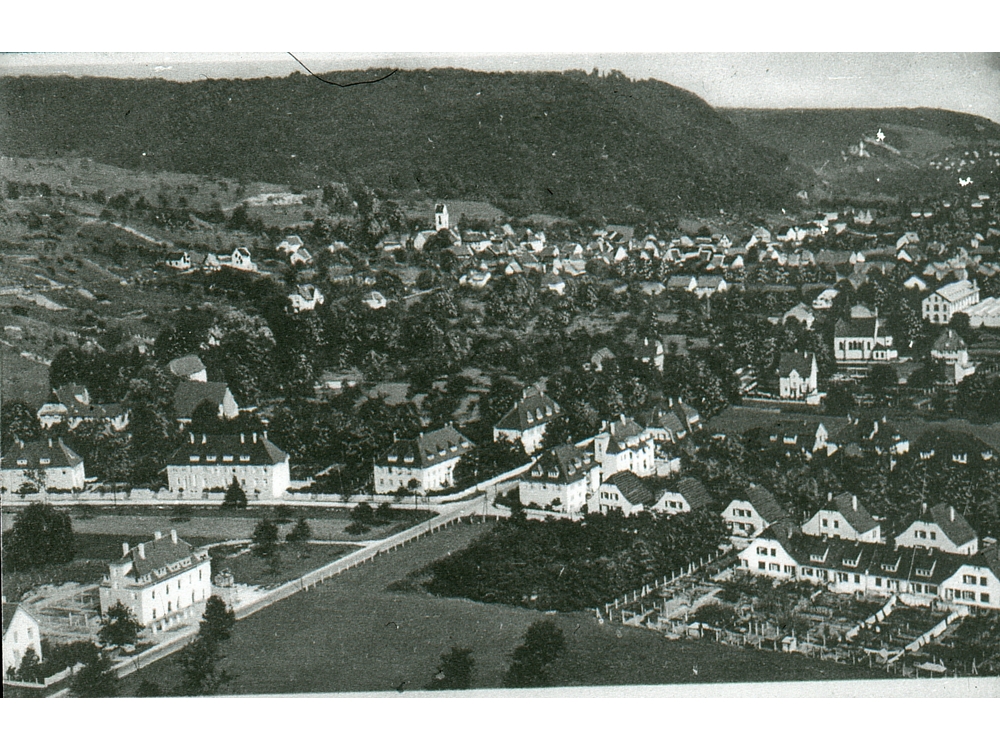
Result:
x=41 y=535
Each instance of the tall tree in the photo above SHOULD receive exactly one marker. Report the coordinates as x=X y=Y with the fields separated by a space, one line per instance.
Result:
x=18 y=420
x=96 y=679
x=544 y=642
x=455 y=670
x=265 y=538
x=41 y=535
x=120 y=627
x=235 y=496
x=201 y=661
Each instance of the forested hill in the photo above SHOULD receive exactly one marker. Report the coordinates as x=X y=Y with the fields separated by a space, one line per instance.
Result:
x=567 y=143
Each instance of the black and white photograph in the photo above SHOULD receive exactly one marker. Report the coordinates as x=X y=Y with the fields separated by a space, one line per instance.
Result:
x=422 y=373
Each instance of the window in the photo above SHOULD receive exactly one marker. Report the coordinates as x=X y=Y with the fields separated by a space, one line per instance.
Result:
x=968 y=595
x=195 y=459
x=922 y=534
x=985 y=598
x=857 y=578
x=930 y=589
x=790 y=569
x=774 y=553
x=775 y=567
x=836 y=524
x=982 y=581
x=762 y=551
x=825 y=522
x=933 y=535
x=762 y=565
x=22 y=462
x=44 y=461
x=246 y=459
x=154 y=593
x=878 y=582
x=969 y=579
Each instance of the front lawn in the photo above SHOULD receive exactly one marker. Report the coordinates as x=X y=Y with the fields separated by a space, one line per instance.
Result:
x=292 y=560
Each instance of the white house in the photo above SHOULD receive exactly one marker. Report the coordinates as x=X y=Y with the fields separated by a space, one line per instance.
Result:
x=950 y=299
x=180 y=260
x=305 y=297
x=687 y=495
x=164 y=582
x=290 y=244
x=562 y=480
x=797 y=375
x=825 y=299
x=915 y=282
x=74 y=407
x=301 y=257
x=941 y=527
x=623 y=445
x=42 y=464
x=843 y=517
x=190 y=393
x=374 y=300
x=424 y=464
x=800 y=313
x=20 y=632
x=211 y=462
x=976 y=583
x=441 y=221
x=240 y=260
x=623 y=491
x=862 y=340
x=526 y=422
x=950 y=349
x=755 y=510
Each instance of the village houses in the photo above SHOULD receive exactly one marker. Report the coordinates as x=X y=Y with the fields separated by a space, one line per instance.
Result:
x=209 y=463
x=623 y=445
x=526 y=422
x=41 y=464
x=941 y=527
x=164 y=582
x=21 y=632
x=844 y=517
x=797 y=375
x=757 y=509
x=687 y=495
x=562 y=479
x=422 y=464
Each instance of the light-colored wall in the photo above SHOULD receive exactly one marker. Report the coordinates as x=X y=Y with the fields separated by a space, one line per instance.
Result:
x=831 y=523
x=167 y=599
x=934 y=537
x=747 y=515
x=22 y=633
x=530 y=439
x=389 y=479
x=270 y=481
x=572 y=497
x=58 y=478
x=961 y=589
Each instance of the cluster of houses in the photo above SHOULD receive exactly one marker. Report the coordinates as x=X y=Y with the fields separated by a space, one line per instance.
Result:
x=193 y=260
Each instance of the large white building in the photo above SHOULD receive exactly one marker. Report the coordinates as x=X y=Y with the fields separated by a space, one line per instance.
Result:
x=42 y=464
x=526 y=422
x=950 y=299
x=563 y=479
x=624 y=445
x=20 y=633
x=862 y=340
x=164 y=582
x=424 y=464
x=950 y=349
x=984 y=314
x=211 y=462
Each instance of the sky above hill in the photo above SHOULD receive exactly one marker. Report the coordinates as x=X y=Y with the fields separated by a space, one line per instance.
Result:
x=960 y=81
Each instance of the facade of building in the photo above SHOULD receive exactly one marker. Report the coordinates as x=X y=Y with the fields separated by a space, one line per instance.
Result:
x=623 y=491
x=562 y=480
x=755 y=510
x=950 y=349
x=20 y=633
x=164 y=582
x=305 y=297
x=687 y=495
x=441 y=222
x=950 y=299
x=984 y=314
x=940 y=527
x=843 y=517
x=424 y=464
x=862 y=340
x=42 y=464
x=798 y=376
x=73 y=406
x=624 y=445
x=526 y=422
x=211 y=462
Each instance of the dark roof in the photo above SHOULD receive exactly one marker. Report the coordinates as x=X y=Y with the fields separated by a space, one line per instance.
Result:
x=533 y=409
x=765 y=503
x=564 y=464
x=9 y=608
x=620 y=431
x=72 y=394
x=185 y=367
x=694 y=492
x=190 y=393
x=159 y=553
x=632 y=487
x=799 y=361
x=948 y=341
x=214 y=449
x=958 y=530
x=855 y=328
x=427 y=449
x=902 y=563
x=858 y=517
x=54 y=453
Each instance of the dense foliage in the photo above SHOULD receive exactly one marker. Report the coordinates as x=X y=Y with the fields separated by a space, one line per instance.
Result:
x=566 y=565
x=544 y=642
x=40 y=535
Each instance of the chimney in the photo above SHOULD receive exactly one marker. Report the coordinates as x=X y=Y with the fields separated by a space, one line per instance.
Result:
x=829 y=497
x=255 y=437
x=671 y=402
x=854 y=502
x=142 y=550
x=50 y=442
x=157 y=535
x=173 y=535
x=243 y=439
x=265 y=433
x=923 y=508
x=124 y=549
x=204 y=438
x=192 y=438
x=951 y=513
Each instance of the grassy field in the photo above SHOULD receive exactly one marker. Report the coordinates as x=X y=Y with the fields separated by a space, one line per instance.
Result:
x=352 y=634
x=22 y=378
x=292 y=561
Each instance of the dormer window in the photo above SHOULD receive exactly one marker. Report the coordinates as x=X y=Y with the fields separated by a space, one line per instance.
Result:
x=245 y=459
x=553 y=473
x=44 y=461
x=22 y=462
x=891 y=567
x=195 y=459
x=210 y=458
x=818 y=557
x=227 y=459
x=408 y=459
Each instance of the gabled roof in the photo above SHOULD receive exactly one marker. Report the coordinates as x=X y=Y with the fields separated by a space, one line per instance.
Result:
x=533 y=409
x=427 y=449
x=190 y=393
x=949 y=341
x=246 y=448
x=694 y=492
x=956 y=290
x=955 y=527
x=620 y=431
x=564 y=464
x=72 y=393
x=856 y=328
x=632 y=488
x=853 y=512
x=799 y=361
x=157 y=554
x=39 y=454
x=9 y=609
x=764 y=503
x=185 y=367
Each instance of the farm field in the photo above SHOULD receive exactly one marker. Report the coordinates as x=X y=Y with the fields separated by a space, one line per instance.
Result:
x=352 y=634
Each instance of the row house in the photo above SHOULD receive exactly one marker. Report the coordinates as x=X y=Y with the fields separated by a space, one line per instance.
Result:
x=939 y=527
x=164 y=582
x=526 y=421
x=563 y=479
x=686 y=496
x=755 y=510
x=422 y=464
x=844 y=517
x=850 y=567
x=210 y=463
